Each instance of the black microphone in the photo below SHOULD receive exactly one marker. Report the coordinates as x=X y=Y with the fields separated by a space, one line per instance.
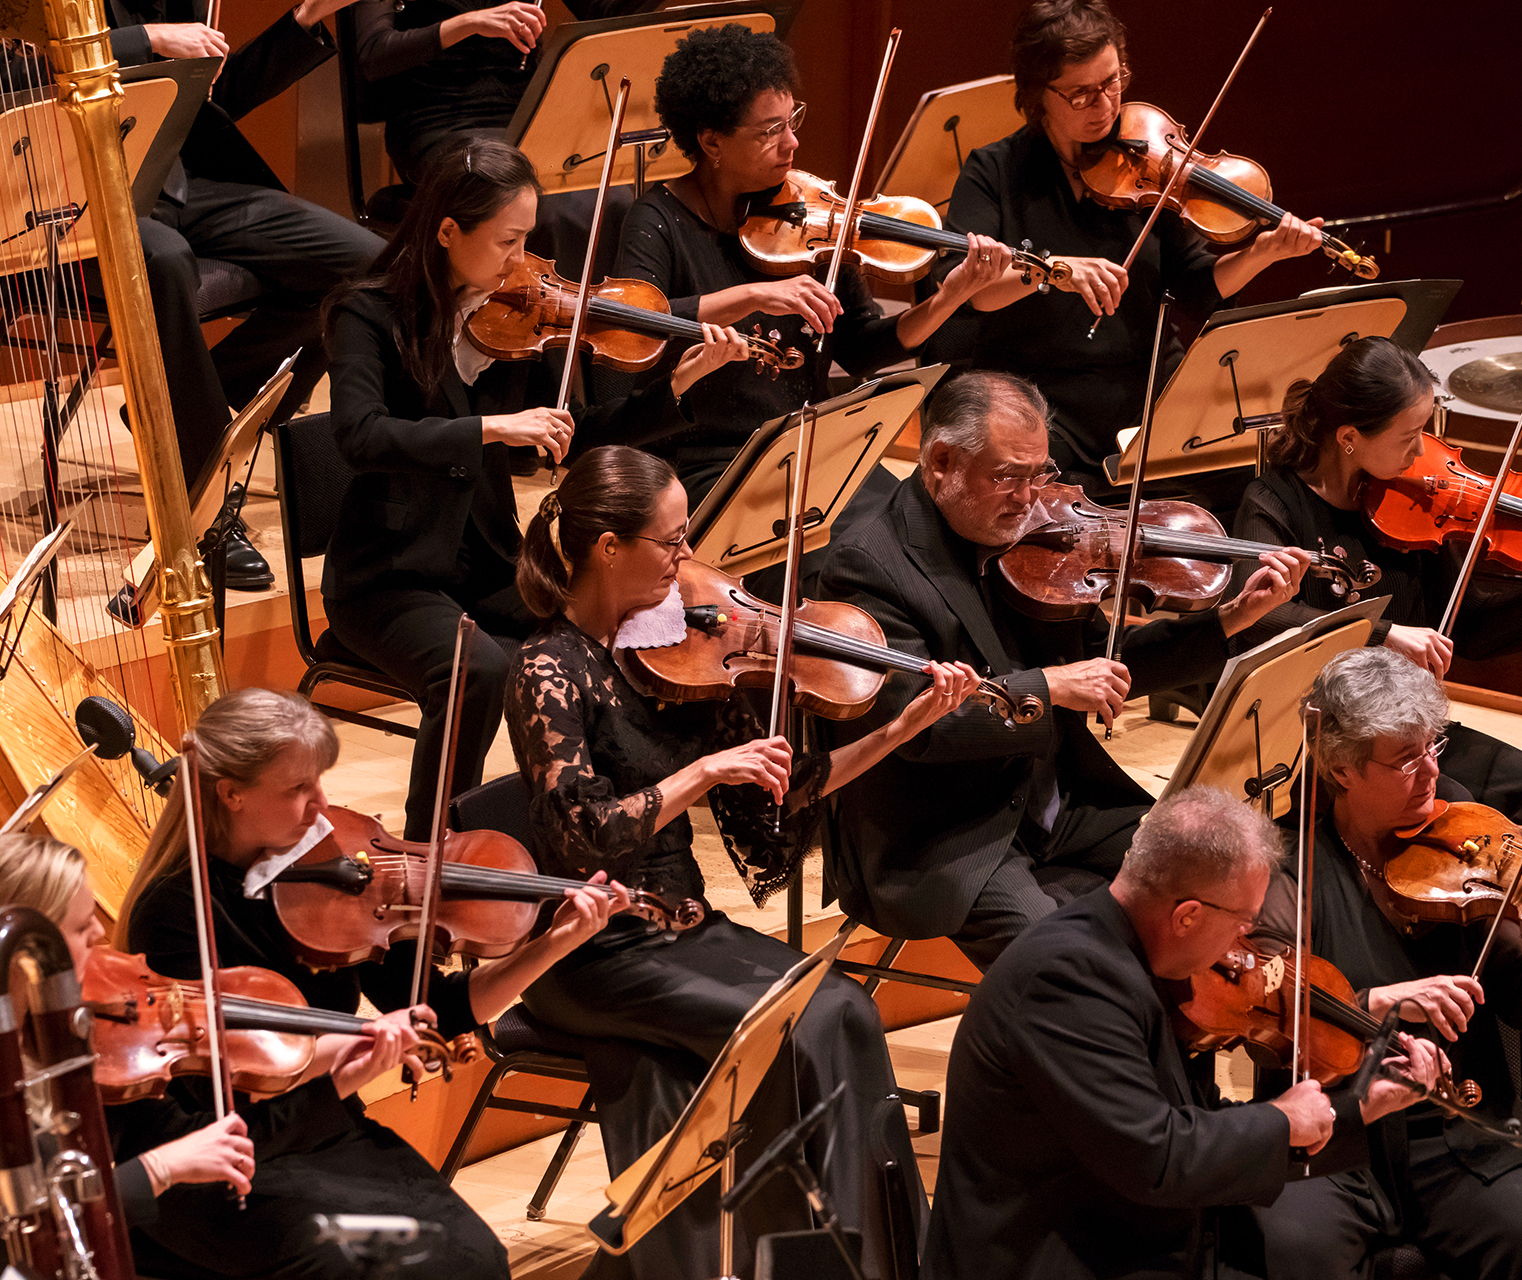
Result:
x=772 y=1158
x=109 y=729
x=1375 y=1054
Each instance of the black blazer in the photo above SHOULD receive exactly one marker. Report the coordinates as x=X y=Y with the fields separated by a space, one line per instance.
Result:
x=1074 y=1146
x=421 y=469
x=266 y=66
x=916 y=837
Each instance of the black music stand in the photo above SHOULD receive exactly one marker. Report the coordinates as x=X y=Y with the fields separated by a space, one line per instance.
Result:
x=1230 y=385
x=586 y=60
x=704 y=1139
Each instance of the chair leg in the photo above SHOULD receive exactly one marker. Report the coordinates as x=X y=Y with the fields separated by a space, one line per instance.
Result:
x=884 y=961
x=539 y=1202
x=478 y=1105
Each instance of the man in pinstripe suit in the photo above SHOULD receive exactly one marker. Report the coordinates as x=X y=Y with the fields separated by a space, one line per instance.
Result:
x=975 y=828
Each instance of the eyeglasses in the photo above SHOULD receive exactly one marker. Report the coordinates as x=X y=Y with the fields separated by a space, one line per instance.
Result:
x=1009 y=481
x=1247 y=922
x=1435 y=748
x=770 y=135
x=1083 y=99
x=672 y=545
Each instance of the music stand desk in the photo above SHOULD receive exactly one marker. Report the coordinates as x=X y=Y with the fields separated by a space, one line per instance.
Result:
x=740 y=526
x=1244 y=361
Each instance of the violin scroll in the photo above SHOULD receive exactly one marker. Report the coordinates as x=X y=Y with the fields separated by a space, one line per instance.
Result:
x=1346 y=576
x=1026 y=709
x=664 y=916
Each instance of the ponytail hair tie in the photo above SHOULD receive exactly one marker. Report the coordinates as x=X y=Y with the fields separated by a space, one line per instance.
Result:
x=549 y=506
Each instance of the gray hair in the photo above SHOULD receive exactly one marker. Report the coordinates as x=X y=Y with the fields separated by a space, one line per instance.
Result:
x=1371 y=693
x=958 y=412
x=1198 y=838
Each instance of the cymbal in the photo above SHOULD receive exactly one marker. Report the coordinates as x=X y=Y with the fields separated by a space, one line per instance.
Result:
x=1494 y=382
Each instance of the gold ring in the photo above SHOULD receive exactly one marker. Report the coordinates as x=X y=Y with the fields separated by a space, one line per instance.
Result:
x=982 y=257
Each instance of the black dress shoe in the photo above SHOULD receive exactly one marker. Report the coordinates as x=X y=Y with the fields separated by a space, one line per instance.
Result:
x=247 y=570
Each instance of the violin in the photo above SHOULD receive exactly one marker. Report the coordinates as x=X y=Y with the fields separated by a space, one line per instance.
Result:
x=1223 y=196
x=1248 y=998
x=628 y=322
x=894 y=237
x=839 y=660
x=1438 y=498
x=150 y=1029
x=359 y=890
x=1065 y=567
x=1458 y=866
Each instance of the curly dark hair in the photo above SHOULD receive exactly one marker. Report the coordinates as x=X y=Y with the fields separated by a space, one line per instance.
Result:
x=1052 y=33
x=713 y=75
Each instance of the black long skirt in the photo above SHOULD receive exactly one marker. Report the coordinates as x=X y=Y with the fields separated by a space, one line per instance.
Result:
x=660 y=1012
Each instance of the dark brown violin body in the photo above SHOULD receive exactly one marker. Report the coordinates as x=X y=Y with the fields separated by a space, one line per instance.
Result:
x=1065 y=567
x=1250 y=998
x=892 y=237
x=1224 y=197
x=627 y=327
x=360 y=890
x=839 y=660
x=1455 y=868
x=1438 y=498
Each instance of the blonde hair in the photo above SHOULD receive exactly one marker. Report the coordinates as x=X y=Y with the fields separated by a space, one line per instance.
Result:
x=41 y=873
x=237 y=738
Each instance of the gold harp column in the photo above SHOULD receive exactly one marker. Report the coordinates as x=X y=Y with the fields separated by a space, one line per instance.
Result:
x=90 y=94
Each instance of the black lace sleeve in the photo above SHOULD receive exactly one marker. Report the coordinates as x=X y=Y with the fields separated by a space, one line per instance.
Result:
x=578 y=817
x=766 y=858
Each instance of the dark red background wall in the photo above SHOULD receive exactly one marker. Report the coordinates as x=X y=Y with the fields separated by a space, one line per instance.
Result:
x=1353 y=106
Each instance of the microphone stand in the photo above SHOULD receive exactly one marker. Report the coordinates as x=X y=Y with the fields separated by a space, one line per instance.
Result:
x=786 y=1153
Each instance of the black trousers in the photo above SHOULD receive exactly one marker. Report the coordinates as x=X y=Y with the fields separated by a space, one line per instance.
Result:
x=201 y=1233
x=1330 y=1228
x=1083 y=851
x=298 y=250
x=409 y=633
x=659 y=1013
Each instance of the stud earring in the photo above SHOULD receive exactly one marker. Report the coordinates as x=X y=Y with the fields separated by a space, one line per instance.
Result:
x=1347 y=448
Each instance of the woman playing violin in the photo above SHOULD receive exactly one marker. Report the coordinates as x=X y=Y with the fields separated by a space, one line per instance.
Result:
x=434 y=431
x=1362 y=418
x=729 y=97
x=1071 y=70
x=50 y=876
x=262 y=757
x=1456 y=1193
x=613 y=775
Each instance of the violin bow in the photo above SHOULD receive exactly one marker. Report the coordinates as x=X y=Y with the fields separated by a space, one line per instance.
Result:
x=523 y=61
x=1184 y=165
x=787 y=625
x=428 y=913
x=853 y=194
x=1305 y=872
x=594 y=234
x=1477 y=546
x=1506 y=904
x=206 y=933
x=1130 y=548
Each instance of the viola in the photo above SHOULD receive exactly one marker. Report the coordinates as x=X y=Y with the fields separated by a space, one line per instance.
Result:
x=628 y=322
x=1065 y=567
x=150 y=1029
x=839 y=662
x=1249 y=998
x=1455 y=867
x=359 y=891
x=1438 y=498
x=894 y=237
x=1224 y=197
